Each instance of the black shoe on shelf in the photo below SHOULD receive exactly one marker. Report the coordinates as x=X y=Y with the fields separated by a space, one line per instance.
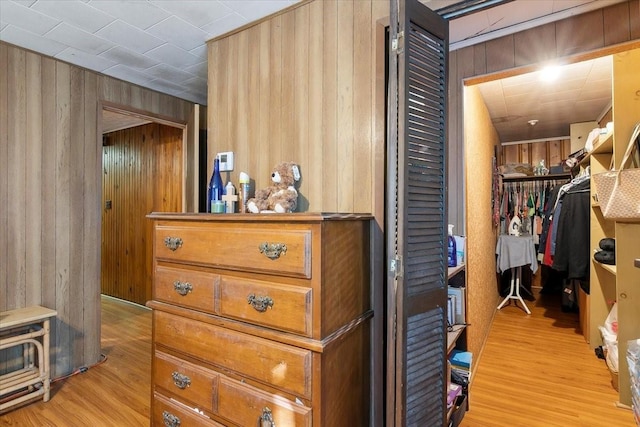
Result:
x=605 y=257
x=608 y=244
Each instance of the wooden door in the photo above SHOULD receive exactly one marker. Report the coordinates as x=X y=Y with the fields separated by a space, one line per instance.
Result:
x=416 y=231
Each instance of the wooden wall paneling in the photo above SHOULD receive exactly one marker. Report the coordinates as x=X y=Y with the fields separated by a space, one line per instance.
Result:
x=330 y=178
x=52 y=185
x=535 y=45
x=76 y=212
x=539 y=152
x=265 y=115
x=33 y=166
x=244 y=120
x=62 y=221
x=314 y=161
x=346 y=34
x=466 y=58
x=286 y=140
x=511 y=154
x=479 y=59
x=525 y=154
x=16 y=187
x=634 y=24
x=4 y=173
x=363 y=107
x=48 y=193
x=143 y=168
x=579 y=33
x=302 y=77
x=616 y=25
x=455 y=155
x=271 y=149
x=500 y=53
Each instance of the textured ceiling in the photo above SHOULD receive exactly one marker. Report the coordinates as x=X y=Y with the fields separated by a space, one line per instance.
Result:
x=161 y=44
x=581 y=93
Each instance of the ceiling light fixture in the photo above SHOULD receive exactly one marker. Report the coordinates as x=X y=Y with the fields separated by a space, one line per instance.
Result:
x=550 y=73
x=533 y=122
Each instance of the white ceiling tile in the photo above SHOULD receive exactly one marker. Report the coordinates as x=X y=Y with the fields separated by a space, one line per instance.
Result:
x=124 y=56
x=28 y=40
x=167 y=72
x=167 y=85
x=134 y=38
x=2 y=25
x=179 y=33
x=469 y=26
x=141 y=14
x=83 y=59
x=254 y=9
x=173 y=55
x=199 y=69
x=195 y=12
x=200 y=51
x=128 y=74
x=196 y=84
x=224 y=25
x=26 y=18
x=78 y=38
x=26 y=3
x=75 y=13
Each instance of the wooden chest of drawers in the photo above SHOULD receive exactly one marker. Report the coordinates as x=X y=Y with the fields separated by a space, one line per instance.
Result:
x=261 y=320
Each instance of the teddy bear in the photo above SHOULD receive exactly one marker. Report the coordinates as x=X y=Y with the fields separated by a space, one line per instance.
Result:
x=282 y=195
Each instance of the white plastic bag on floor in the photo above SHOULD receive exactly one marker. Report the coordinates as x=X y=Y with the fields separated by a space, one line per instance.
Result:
x=611 y=323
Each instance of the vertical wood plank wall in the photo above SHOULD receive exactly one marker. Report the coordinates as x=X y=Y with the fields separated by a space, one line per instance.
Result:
x=578 y=35
x=301 y=86
x=142 y=174
x=552 y=152
x=50 y=186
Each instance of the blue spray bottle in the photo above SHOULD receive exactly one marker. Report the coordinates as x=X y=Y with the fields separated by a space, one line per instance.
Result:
x=452 y=255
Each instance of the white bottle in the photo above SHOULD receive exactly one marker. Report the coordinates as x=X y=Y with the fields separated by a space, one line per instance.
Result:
x=244 y=191
x=229 y=190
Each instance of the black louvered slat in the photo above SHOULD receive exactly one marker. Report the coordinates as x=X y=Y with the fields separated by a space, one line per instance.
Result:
x=424 y=342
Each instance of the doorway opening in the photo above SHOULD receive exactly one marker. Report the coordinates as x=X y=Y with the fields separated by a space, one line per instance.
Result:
x=143 y=171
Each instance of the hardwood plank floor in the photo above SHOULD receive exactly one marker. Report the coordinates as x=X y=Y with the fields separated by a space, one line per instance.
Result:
x=115 y=393
x=538 y=371
x=535 y=371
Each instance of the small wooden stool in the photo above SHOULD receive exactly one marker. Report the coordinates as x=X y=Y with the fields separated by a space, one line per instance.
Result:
x=28 y=327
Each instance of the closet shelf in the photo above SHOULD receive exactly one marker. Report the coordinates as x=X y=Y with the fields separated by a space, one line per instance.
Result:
x=610 y=268
x=452 y=271
x=604 y=145
x=453 y=335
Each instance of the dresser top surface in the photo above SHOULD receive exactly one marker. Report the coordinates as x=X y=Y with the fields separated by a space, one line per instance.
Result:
x=265 y=217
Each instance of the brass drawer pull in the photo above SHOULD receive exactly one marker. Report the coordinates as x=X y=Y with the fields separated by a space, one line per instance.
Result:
x=272 y=250
x=182 y=288
x=266 y=419
x=180 y=380
x=170 y=420
x=260 y=303
x=172 y=243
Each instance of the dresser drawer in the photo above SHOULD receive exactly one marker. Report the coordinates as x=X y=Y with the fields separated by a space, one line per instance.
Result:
x=186 y=381
x=283 y=307
x=187 y=288
x=282 y=366
x=246 y=406
x=167 y=413
x=271 y=248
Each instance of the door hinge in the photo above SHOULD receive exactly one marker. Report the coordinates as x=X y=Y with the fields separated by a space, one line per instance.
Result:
x=397 y=44
x=396 y=266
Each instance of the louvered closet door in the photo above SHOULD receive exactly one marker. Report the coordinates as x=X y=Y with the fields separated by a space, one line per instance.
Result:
x=417 y=286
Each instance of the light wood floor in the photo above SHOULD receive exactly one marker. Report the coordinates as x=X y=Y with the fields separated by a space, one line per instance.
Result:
x=115 y=393
x=535 y=371
x=538 y=371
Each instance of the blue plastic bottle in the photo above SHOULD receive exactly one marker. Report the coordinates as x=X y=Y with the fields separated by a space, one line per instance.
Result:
x=452 y=255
